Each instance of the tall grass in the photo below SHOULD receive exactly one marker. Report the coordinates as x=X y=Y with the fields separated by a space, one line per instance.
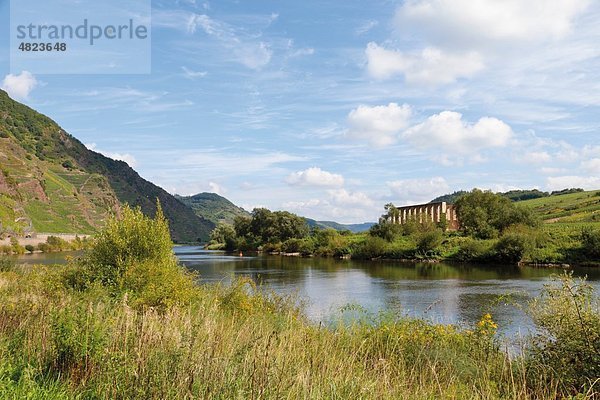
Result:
x=61 y=339
x=238 y=341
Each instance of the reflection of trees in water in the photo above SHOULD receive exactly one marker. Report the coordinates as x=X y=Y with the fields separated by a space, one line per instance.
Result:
x=431 y=271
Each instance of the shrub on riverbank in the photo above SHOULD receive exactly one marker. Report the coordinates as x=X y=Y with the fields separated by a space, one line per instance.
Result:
x=567 y=348
x=134 y=255
x=122 y=334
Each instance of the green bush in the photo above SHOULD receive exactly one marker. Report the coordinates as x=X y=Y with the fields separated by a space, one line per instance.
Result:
x=472 y=250
x=7 y=264
x=44 y=247
x=567 y=346
x=511 y=247
x=223 y=234
x=329 y=242
x=291 y=246
x=590 y=241
x=30 y=248
x=134 y=255
x=16 y=248
x=428 y=242
x=386 y=230
x=372 y=247
x=6 y=249
x=56 y=243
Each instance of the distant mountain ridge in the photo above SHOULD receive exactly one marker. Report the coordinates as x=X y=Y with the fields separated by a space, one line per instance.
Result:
x=356 y=228
x=213 y=207
x=50 y=182
x=217 y=209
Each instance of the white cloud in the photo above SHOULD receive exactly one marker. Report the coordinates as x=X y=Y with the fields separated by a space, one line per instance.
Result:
x=448 y=132
x=414 y=191
x=128 y=158
x=19 y=86
x=573 y=181
x=537 y=157
x=431 y=66
x=481 y=21
x=244 y=48
x=343 y=197
x=340 y=205
x=366 y=27
x=592 y=166
x=216 y=188
x=224 y=162
x=378 y=125
x=552 y=170
x=188 y=73
x=315 y=177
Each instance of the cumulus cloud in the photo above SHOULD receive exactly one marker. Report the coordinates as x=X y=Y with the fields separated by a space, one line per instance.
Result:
x=315 y=177
x=411 y=191
x=128 y=158
x=431 y=66
x=19 y=86
x=481 y=21
x=448 y=132
x=340 y=205
x=378 y=125
x=343 y=197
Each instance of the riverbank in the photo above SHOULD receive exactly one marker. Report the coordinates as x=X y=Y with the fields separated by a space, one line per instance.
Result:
x=44 y=243
x=241 y=341
x=126 y=321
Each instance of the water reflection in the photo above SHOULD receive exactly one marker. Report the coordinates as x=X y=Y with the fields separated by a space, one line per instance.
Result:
x=441 y=292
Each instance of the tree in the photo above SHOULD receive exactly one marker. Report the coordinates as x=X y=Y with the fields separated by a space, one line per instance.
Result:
x=391 y=212
x=485 y=214
x=265 y=226
x=224 y=234
x=134 y=255
x=386 y=230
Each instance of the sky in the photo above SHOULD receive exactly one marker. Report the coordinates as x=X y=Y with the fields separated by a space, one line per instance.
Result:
x=331 y=109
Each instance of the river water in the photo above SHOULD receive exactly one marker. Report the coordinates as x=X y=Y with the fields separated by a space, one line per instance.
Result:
x=444 y=293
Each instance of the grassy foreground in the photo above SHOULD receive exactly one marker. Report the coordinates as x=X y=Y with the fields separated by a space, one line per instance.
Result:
x=126 y=322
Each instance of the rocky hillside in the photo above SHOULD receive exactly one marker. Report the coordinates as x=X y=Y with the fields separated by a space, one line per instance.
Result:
x=50 y=182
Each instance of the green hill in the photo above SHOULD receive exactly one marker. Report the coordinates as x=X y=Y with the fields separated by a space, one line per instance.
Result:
x=577 y=207
x=213 y=207
x=50 y=182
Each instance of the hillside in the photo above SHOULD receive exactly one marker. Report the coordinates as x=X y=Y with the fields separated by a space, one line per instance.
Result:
x=578 y=207
x=213 y=207
x=50 y=182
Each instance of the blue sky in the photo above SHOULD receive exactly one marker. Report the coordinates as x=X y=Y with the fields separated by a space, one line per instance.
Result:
x=331 y=109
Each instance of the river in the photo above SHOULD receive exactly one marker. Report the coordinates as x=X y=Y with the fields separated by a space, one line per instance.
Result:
x=444 y=293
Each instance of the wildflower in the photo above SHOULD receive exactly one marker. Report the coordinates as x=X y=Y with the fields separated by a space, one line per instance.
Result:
x=486 y=325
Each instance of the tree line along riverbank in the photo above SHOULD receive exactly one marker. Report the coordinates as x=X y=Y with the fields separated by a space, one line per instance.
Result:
x=493 y=229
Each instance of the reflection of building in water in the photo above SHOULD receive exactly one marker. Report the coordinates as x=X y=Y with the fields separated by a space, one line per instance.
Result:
x=432 y=212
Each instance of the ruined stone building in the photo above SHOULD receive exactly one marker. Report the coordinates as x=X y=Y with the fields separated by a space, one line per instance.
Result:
x=433 y=212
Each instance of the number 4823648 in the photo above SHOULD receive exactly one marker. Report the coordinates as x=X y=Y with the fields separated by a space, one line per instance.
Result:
x=24 y=46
